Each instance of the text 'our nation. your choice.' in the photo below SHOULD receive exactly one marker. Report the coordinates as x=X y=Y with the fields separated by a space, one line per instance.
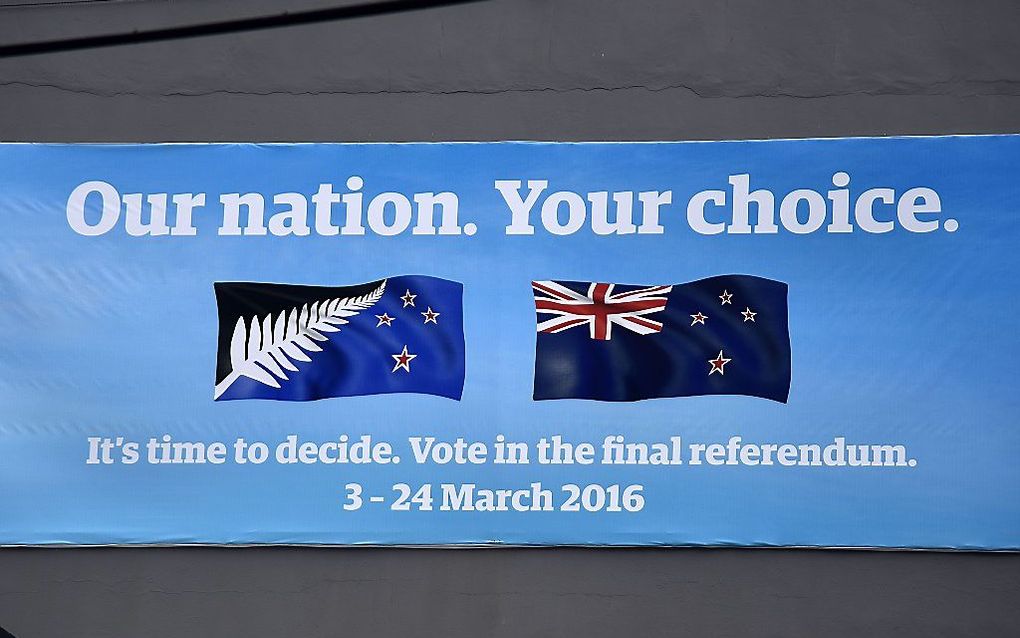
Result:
x=740 y=206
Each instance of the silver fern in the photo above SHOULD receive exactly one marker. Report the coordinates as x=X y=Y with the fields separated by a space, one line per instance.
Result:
x=264 y=350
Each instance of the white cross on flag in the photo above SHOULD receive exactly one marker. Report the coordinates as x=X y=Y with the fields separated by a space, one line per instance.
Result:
x=600 y=309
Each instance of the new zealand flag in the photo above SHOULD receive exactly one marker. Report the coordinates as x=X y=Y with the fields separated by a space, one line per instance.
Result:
x=301 y=343
x=611 y=342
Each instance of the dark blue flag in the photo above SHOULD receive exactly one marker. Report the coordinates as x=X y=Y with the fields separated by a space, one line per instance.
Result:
x=301 y=343
x=610 y=342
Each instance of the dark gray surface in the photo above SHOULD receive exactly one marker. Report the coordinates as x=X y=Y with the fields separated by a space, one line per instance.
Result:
x=204 y=592
x=524 y=69
x=530 y=69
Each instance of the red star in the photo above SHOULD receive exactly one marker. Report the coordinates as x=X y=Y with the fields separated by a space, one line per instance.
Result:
x=718 y=363
x=408 y=299
x=403 y=360
x=431 y=316
x=748 y=315
x=726 y=297
x=384 y=320
x=698 y=318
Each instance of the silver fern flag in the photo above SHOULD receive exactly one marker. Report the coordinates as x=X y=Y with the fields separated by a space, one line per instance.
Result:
x=301 y=343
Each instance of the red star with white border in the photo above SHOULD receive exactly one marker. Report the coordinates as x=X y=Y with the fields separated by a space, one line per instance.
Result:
x=384 y=320
x=403 y=360
x=748 y=315
x=698 y=318
x=726 y=297
x=408 y=299
x=718 y=363
x=431 y=316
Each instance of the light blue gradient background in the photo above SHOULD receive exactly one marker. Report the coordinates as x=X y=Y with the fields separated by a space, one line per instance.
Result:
x=897 y=338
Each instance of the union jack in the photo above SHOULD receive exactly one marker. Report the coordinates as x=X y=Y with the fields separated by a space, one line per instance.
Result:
x=600 y=309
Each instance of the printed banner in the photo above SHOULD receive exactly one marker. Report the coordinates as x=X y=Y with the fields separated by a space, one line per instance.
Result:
x=780 y=343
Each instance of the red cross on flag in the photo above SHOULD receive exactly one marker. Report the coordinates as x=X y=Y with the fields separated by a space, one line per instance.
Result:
x=600 y=309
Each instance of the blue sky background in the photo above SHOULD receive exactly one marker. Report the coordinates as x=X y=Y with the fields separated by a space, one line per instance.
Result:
x=897 y=338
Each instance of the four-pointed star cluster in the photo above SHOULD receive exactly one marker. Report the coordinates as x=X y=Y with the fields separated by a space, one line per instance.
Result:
x=718 y=364
x=404 y=357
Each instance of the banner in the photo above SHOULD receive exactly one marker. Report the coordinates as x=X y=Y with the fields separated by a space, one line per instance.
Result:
x=778 y=343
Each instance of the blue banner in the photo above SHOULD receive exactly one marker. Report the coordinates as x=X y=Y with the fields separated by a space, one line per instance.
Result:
x=776 y=343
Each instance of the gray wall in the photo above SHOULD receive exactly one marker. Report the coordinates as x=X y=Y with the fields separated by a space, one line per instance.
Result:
x=525 y=69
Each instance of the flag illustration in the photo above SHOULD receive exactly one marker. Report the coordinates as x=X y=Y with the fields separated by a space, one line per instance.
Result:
x=302 y=343
x=610 y=342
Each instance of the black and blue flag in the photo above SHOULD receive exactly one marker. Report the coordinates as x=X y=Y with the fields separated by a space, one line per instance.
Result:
x=610 y=342
x=301 y=343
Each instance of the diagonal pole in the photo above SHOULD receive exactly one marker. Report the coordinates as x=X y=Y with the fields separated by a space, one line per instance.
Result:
x=285 y=19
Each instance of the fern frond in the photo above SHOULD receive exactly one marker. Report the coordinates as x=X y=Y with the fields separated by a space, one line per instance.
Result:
x=264 y=349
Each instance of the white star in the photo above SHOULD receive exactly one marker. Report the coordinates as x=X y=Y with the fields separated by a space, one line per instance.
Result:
x=726 y=296
x=748 y=315
x=384 y=319
x=403 y=360
x=431 y=316
x=698 y=318
x=718 y=363
x=408 y=299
